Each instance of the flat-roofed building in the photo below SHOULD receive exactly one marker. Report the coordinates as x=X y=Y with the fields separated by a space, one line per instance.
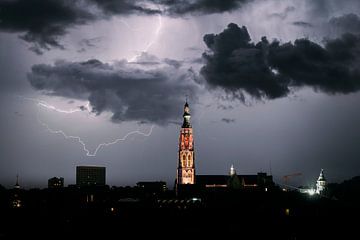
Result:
x=90 y=176
x=56 y=182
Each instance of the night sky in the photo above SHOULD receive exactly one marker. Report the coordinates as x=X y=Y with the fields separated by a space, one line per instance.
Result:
x=273 y=85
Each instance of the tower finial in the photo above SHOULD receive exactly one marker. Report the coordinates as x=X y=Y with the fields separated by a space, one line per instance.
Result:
x=17 y=182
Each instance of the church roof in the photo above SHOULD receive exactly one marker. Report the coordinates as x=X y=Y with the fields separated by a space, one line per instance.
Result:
x=223 y=179
x=212 y=179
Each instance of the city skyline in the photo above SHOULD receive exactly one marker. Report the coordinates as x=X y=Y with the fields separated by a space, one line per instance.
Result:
x=273 y=87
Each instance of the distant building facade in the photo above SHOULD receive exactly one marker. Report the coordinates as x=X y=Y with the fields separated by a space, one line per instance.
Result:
x=234 y=181
x=90 y=176
x=186 y=157
x=56 y=182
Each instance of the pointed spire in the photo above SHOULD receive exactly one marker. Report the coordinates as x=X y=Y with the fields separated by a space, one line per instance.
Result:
x=321 y=183
x=321 y=176
x=186 y=116
x=17 y=186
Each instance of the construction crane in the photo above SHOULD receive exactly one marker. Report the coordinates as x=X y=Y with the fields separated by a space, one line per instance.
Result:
x=286 y=177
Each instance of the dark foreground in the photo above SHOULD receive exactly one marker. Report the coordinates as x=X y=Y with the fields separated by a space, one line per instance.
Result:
x=108 y=213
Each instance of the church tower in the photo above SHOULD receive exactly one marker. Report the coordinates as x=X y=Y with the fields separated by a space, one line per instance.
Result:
x=321 y=183
x=186 y=158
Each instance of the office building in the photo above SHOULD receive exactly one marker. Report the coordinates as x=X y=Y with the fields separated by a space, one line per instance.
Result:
x=90 y=176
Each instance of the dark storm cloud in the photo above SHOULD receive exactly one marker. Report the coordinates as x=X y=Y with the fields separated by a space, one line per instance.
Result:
x=228 y=120
x=302 y=24
x=225 y=107
x=130 y=94
x=124 y=7
x=43 y=23
x=321 y=8
x=88 y=43
x=348 y=23
x=326 y=9
x=270 y=70
x=181 y=7
x=173 y=62
x=284 y=14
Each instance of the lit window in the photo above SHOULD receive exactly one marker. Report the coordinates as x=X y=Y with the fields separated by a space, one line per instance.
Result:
x=287 y=211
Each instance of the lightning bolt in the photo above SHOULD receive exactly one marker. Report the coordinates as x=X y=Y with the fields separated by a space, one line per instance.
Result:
x=41 y=103
x=45 y=105
x=85 y=149
x=157 y=32
x=51 y=107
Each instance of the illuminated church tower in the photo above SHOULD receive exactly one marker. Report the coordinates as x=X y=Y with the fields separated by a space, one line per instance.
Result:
x=321 y=183
x=186 y=163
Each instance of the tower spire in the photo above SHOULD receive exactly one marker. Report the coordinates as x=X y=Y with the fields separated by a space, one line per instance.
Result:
x=17 y=186
x=186 y=116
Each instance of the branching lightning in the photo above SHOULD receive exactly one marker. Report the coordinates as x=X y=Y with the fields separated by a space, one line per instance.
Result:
x=46 y=105
x=89 y=153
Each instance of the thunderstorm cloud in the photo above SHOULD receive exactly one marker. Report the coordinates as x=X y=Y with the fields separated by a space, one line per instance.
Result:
x=348 y=23
x=131 y=92
x=175 y=7
x=43 y=23
x=268 y=70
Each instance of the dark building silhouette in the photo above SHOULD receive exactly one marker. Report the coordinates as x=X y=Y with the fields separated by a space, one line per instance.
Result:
x=17 y=185
x=56 y=182
x=158 y=186
x=235 y=181
x=16 y=195
x=90 y=176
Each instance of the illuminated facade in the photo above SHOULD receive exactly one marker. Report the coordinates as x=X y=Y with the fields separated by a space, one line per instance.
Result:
x=186 y=157
x=321 y=183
